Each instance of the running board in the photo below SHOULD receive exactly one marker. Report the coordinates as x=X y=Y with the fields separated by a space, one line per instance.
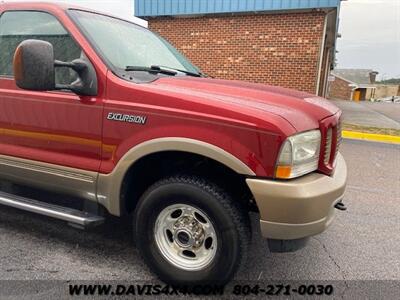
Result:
x=72 y=216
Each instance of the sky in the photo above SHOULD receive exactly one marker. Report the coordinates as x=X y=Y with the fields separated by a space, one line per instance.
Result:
x=121 y=8
x=370 y=39
x=370 y=31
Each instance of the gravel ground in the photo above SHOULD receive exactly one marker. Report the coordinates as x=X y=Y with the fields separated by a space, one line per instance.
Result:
x=362 y=244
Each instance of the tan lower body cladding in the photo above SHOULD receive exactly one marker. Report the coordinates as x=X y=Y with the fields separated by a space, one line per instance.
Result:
x=106 y=188
x=288 y=209
x=75 y=182
x=300 y=207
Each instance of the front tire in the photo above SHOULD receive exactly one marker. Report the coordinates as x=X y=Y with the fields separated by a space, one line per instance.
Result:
x=189 y=231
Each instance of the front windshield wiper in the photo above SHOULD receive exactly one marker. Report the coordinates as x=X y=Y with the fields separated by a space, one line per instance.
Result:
x=182 y=71
x=163 y=70
x=152 y=69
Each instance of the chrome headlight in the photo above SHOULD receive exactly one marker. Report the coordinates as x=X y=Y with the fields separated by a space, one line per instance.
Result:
x=299 y=155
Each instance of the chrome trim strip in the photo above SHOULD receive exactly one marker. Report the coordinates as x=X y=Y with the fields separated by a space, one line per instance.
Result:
x=50 y=210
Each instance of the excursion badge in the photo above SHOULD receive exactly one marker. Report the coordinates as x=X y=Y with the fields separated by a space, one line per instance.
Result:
x=127 y=118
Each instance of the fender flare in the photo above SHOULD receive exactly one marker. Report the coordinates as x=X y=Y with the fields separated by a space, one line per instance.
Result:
x=109 y=185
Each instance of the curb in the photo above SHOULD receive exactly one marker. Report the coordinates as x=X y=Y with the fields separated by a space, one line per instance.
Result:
x=373 y=137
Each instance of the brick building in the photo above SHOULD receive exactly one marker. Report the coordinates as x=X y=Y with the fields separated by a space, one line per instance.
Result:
x=340 y=89
x=352 y=84
x=280 y=42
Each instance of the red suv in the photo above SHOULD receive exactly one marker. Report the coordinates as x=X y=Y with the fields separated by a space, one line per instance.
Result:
x=110 y=114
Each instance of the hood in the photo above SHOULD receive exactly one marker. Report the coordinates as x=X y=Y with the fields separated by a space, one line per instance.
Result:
x=302 y=110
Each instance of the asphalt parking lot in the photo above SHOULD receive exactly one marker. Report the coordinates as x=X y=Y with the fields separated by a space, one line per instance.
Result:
x=362 y=244
x=383 y=115
x=390 y=110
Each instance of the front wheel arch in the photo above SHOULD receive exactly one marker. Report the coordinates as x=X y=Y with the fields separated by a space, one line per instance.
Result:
x=110 y=187
x=156 y=166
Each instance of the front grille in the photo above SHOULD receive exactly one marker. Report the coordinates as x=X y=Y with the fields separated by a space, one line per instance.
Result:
x=338 y=137
x=328 y=147
x=333 y=141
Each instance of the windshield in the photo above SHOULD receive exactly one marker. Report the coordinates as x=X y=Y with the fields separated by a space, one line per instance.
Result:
x=124 y=44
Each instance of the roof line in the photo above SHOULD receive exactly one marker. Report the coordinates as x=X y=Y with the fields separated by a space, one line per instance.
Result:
x=164 y=8
x=345 y=79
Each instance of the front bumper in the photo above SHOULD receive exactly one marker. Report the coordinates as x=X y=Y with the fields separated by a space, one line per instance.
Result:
x=301 y=207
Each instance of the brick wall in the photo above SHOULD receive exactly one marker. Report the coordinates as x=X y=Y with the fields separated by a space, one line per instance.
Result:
x=386 y=90
x=339 y=89
x=278 y=49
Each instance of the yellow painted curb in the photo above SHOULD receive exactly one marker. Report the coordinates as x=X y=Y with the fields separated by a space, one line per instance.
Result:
x=371 y=137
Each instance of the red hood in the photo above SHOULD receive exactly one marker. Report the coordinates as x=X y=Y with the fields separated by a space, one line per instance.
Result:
x=302 y=110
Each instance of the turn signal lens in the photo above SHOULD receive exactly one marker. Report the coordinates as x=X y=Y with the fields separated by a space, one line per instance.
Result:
x=283 y=172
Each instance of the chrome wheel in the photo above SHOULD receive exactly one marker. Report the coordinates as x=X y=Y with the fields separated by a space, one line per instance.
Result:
x=185 y=237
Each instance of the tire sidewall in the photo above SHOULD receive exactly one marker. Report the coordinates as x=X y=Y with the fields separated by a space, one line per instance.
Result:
x=228 y=249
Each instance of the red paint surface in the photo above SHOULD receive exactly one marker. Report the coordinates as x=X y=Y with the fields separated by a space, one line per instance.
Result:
x=250 y=121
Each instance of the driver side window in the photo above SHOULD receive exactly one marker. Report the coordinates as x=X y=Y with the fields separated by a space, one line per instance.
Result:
x=17 y=26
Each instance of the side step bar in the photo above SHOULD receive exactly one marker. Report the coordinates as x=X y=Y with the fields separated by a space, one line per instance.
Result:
x=69 y=215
